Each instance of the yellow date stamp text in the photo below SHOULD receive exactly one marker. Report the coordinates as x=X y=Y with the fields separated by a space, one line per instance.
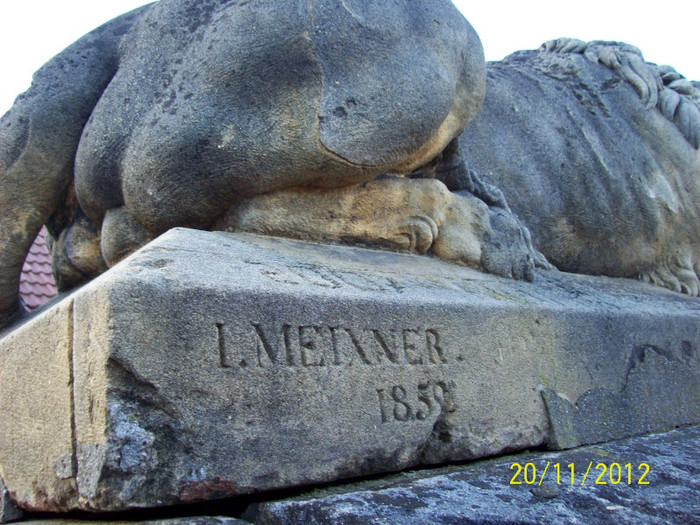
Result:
x=593 y=474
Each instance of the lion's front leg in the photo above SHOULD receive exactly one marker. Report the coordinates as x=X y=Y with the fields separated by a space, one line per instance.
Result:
x=410 y=215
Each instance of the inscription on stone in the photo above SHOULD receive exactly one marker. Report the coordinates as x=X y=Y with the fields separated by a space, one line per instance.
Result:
x=313 y=275
x=308 y=346
x=403 y=404
x=308 y=274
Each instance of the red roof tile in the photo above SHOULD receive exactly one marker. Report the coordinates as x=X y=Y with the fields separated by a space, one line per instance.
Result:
x=36 y=285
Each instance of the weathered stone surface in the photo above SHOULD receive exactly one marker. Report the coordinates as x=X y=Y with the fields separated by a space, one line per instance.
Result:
x=195 y=107
x=481 y=492
x=38 y=140
x=213 y=364
x=602 y=414
x=36 y=400
x=8 y=510
x=198 y=520
x=597 y=152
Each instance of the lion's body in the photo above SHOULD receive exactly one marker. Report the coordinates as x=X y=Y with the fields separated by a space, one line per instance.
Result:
x=597 y=152
x=214 y=102
x=195 y=107
x=278 y=117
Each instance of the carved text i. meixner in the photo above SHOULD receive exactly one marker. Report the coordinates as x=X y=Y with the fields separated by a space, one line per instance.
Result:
x=328 y=346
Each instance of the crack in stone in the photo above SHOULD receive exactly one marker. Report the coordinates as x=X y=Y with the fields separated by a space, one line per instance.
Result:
x=70 y=337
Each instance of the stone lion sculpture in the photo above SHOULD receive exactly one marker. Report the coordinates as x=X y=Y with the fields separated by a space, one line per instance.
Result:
x=331 y=120
x=340 y=121
x=597 y=152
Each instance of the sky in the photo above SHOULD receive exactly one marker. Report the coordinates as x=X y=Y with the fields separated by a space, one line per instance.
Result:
x=32 y=31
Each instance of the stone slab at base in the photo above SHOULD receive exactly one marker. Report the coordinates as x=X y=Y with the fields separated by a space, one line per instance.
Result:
x=209 y=365
x=196 y=520
x=649 y=480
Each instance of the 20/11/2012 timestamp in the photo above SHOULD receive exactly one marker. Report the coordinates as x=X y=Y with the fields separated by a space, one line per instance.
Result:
x=595 y=473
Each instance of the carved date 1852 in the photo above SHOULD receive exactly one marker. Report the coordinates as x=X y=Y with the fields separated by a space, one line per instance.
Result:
x=399 y=403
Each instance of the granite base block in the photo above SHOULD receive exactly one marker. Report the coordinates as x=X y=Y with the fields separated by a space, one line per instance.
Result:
x=209 y=365
x=649 y=480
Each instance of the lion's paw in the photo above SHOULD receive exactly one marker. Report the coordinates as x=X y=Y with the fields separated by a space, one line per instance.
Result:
x=487 y=237
x=415 y=234
x=677 y=273
x=507 y=249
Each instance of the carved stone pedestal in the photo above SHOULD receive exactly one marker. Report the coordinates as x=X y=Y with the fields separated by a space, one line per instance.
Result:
x=209 y=365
